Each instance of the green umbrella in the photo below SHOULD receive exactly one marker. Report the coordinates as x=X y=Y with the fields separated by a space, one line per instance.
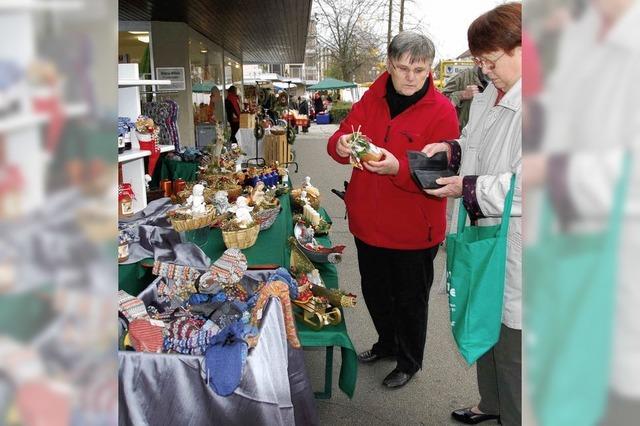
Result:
x=332 y=83
x=204 y=87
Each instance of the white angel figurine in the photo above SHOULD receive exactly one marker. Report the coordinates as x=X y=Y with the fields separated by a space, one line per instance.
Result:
x=243 y=212
x=196 y=200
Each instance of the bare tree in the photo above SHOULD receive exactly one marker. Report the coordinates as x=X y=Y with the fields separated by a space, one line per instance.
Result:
x=390 y=20
x=347 y=30
x=401 y=15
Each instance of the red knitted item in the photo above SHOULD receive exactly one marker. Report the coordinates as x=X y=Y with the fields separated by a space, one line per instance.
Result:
x=145 y=336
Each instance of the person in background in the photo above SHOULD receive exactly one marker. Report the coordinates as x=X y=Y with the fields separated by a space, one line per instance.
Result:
x=303 y=109
x=317 y=103
x=489 y=153
x=328 y=103
x=397 y=228
x=462 y=87
x=232 y=107
x=214 y=111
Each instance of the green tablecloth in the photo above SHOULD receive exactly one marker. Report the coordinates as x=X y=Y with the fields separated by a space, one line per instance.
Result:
x=172 y=170
x=271 y=248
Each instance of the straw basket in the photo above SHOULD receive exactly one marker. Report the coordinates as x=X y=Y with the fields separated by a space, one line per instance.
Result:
x=267 y=217
x=181 y=197
x=197 y=222
x=234 y=192
x=241 y=239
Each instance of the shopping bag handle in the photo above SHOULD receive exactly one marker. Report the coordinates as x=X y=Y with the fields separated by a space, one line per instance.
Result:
x=506 y=212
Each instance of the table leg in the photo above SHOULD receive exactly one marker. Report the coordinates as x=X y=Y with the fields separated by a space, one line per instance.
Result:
x=328 y=376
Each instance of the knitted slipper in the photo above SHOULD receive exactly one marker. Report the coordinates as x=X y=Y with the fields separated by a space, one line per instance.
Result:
x=208 y=284
x=145 y=336
x=230 y=268
x=281 y=274
x=131 y=307
x=225 y=359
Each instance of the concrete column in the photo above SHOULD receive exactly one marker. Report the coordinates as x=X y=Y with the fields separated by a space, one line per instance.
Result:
x=170 y=44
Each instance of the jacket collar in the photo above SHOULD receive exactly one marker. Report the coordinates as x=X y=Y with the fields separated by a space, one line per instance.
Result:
x=513 y=98
x=379 y=89
x=626 y=31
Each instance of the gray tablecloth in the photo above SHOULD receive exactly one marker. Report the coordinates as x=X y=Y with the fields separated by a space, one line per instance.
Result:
x=168 y=389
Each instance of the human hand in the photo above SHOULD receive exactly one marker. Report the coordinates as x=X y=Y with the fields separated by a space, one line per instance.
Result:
x=433 y=148
x=389 y=165
x=470 y=91
x=452 y=187
x=343 y=149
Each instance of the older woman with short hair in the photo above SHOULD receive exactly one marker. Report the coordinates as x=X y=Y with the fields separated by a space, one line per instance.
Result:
x=489 y=152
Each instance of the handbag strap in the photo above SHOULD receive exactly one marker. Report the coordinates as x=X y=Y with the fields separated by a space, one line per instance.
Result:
x=506 y=212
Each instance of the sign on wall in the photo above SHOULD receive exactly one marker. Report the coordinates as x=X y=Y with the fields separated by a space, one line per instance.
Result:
x=175 y=74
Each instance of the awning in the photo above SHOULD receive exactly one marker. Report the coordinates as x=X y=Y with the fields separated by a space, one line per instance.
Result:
x=252 y=30
x=332 y=83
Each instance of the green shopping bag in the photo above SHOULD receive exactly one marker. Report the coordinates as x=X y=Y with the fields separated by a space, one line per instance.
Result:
x=570 y=290
x=476 y=260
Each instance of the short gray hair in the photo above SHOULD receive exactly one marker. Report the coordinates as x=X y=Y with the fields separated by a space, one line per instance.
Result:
x=417 y=46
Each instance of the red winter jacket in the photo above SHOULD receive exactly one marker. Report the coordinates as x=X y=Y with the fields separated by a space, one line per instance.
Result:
x=392 y=211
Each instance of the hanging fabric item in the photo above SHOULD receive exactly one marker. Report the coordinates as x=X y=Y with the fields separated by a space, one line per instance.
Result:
x=165 y=115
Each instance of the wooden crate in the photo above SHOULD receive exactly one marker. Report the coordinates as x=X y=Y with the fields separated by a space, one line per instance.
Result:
x=277 y=149
x=247 y=121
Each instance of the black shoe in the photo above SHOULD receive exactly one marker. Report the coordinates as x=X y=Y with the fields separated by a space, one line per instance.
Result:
x=396 y=379
x=465 y=415
x=369 y=356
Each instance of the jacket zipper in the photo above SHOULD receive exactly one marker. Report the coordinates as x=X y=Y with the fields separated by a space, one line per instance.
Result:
x=386 y=135
x=429 y=238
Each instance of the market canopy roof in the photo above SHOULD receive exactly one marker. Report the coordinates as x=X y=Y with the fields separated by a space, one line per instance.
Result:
x=332 y=83
x=204 y=87
x=253 y=30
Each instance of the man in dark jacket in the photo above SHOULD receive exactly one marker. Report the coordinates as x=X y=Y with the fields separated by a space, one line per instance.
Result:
x=303 y=109
x=397 y=228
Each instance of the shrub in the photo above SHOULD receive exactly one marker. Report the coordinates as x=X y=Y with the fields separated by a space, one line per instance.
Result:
x=339 y=111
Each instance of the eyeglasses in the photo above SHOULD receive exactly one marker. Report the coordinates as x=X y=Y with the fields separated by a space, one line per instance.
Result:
x=490 y=64
x=418 y=71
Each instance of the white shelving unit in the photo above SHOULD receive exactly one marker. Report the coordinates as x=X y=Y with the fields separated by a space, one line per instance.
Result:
x=132 y=161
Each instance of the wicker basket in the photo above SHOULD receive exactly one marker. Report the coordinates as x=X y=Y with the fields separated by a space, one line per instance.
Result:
x=182 y=225
x=181 y=197
x=241 y=239
x=234 y=192
x=267 y=217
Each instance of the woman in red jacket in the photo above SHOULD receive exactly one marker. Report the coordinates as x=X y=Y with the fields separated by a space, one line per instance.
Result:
x=397 y=227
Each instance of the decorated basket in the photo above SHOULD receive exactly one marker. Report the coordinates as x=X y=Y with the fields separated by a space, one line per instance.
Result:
x=196 y=222
x=267 y=217
x=234 y=192
x=241 y=239
x=182 y=196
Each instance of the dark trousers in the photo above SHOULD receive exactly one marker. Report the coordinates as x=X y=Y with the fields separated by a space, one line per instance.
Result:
x=500 y=378
x=395 y=288
x=235 y=126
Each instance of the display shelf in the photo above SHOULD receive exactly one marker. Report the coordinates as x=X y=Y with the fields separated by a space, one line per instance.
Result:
x=21 y=121
x=131 y=82
x=132 y=154
x=167 y=148
x=26 y=119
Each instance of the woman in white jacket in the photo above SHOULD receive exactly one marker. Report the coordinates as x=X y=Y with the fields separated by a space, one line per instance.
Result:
x=489 y=152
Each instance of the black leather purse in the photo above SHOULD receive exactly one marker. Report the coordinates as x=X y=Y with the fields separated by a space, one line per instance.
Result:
x=425 y=170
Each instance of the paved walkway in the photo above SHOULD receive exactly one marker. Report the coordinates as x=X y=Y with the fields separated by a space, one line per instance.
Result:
x=444 y=384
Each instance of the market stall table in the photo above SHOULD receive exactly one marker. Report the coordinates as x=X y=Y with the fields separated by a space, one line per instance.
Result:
x=272 y=250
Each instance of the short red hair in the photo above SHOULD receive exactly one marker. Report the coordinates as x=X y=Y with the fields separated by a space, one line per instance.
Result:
x=499 y=28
